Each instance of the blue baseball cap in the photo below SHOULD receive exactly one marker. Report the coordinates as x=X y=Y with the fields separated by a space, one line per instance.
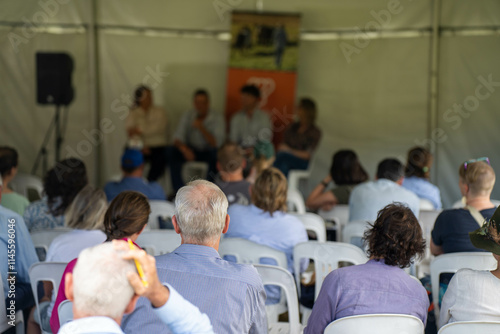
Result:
x=132 y=158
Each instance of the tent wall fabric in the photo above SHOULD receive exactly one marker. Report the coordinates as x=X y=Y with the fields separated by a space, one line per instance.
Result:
x=372 y=89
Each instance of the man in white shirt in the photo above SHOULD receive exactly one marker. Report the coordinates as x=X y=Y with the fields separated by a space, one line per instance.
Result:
x=104 y=285
x=370 y=197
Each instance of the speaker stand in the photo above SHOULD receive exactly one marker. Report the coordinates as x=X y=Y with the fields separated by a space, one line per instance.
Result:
x=43 y=153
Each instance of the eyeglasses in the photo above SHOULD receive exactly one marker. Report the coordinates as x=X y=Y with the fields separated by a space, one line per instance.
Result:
x=486 y=159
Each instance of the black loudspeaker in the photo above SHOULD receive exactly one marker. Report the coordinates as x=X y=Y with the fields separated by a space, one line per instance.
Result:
x=53 y=78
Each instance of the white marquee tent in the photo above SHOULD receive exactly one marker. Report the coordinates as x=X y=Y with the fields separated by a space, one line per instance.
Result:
x=428 y=75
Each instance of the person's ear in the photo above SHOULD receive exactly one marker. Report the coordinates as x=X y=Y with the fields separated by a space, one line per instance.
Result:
x=400 y=181
x=68 y=286
x=218 y=166
x=131 y=305
x=226 y=224
x=176 y=225
x=244 y=164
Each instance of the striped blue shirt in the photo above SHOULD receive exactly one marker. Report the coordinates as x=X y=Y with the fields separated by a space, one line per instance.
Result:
x=231 y=294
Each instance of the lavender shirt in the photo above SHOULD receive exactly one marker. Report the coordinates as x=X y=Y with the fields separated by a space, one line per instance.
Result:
x=369 y=288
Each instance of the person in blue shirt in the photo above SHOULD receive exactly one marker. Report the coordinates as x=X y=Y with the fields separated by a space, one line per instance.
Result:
x=133 y=168
x=417 y=173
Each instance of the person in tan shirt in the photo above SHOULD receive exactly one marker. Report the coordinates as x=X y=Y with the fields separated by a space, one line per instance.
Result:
x=146 y=124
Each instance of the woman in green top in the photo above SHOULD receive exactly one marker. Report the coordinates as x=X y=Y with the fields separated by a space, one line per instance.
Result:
x=8 y=170
x=346 y=172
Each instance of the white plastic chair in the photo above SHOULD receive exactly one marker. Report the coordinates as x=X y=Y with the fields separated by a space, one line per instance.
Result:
x=43 y=238
x=192 y=170
x=314 y=223
x=426 y=218
x=458 y=204
x=295 y=175
x=272 y=275
x=295 y=201
x=425 y=204
x=251 y=253
x=339 y=215
x=22 y=184
x=451 y=263
x=376 y=324
x=159 y=242
x=4 y=321
x=471 y=327
x=326 y=256
x=45 y=271
x=65 y=312
x=353 y=232
x=159 y=209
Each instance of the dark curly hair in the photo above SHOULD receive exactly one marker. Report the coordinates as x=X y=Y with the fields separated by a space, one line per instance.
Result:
x=8 y=160
x=396 y=236
x=64 y=181
x=127 y=214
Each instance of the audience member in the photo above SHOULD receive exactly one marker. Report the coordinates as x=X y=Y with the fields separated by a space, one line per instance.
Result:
x=133 y=169
x=250 y=124
x=299 y=140
x=146 y=127
x=85 y=215
x=231 y=294
x=472 y=294
x=452 y=227
x=230 y=163
x=126 y=218
x=105 y=285
x=198 y=135
x=60 y=186
x=380 y=285
x=346 y=172
x=15 y=274
x=417 y=174
x=266 y=221
x=368 y=198
x=8 y=170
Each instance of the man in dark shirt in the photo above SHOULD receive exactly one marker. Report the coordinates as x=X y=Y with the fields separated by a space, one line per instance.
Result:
x=230 y=163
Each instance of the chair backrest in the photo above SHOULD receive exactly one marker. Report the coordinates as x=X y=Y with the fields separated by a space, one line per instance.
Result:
x=326 y=256
x=159 y=209
x=272 y=275
x=377 y=324
x=159 y=242
x=250 y=252
x=339 y=215
x=427 y=218
x=65 y=312
x=295 y=201
x=314 y=223
x=425 y=204
x=45 y=271
x=451 y=263
x=43 y=238
x=23 y=183
x=471 y=327
x=352 y=232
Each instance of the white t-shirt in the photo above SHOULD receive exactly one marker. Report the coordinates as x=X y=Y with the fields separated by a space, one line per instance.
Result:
x=472 y=295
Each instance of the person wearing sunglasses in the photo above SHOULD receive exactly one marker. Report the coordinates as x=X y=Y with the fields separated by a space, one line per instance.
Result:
x=452 y=227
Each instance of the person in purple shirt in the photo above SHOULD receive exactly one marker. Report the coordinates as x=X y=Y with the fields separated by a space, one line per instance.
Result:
x=380 y=285
x=133 y=168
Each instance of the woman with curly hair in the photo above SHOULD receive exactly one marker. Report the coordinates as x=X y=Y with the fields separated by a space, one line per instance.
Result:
x=60 y=186
x=380 y=285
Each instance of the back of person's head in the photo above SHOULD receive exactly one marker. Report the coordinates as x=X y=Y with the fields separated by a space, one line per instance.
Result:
x=309 y=107
x=251 y=90
x=63 y=182
x=127 y=215
x=100 y=283
x=479 y=176
x=346 y=168
x=269 y=191
x=419 y=162
x=230 y=157
x=200 y=212
x=8 y=160
x=87 y=210
x=131 y=160
x=390 y=169
x=396 y=236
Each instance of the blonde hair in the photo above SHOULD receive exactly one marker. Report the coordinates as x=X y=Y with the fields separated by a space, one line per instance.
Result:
x=479 y=176
x=87 y=210
x=270 y=191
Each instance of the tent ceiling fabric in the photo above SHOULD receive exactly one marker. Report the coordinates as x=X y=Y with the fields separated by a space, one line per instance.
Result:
x=374 y=100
